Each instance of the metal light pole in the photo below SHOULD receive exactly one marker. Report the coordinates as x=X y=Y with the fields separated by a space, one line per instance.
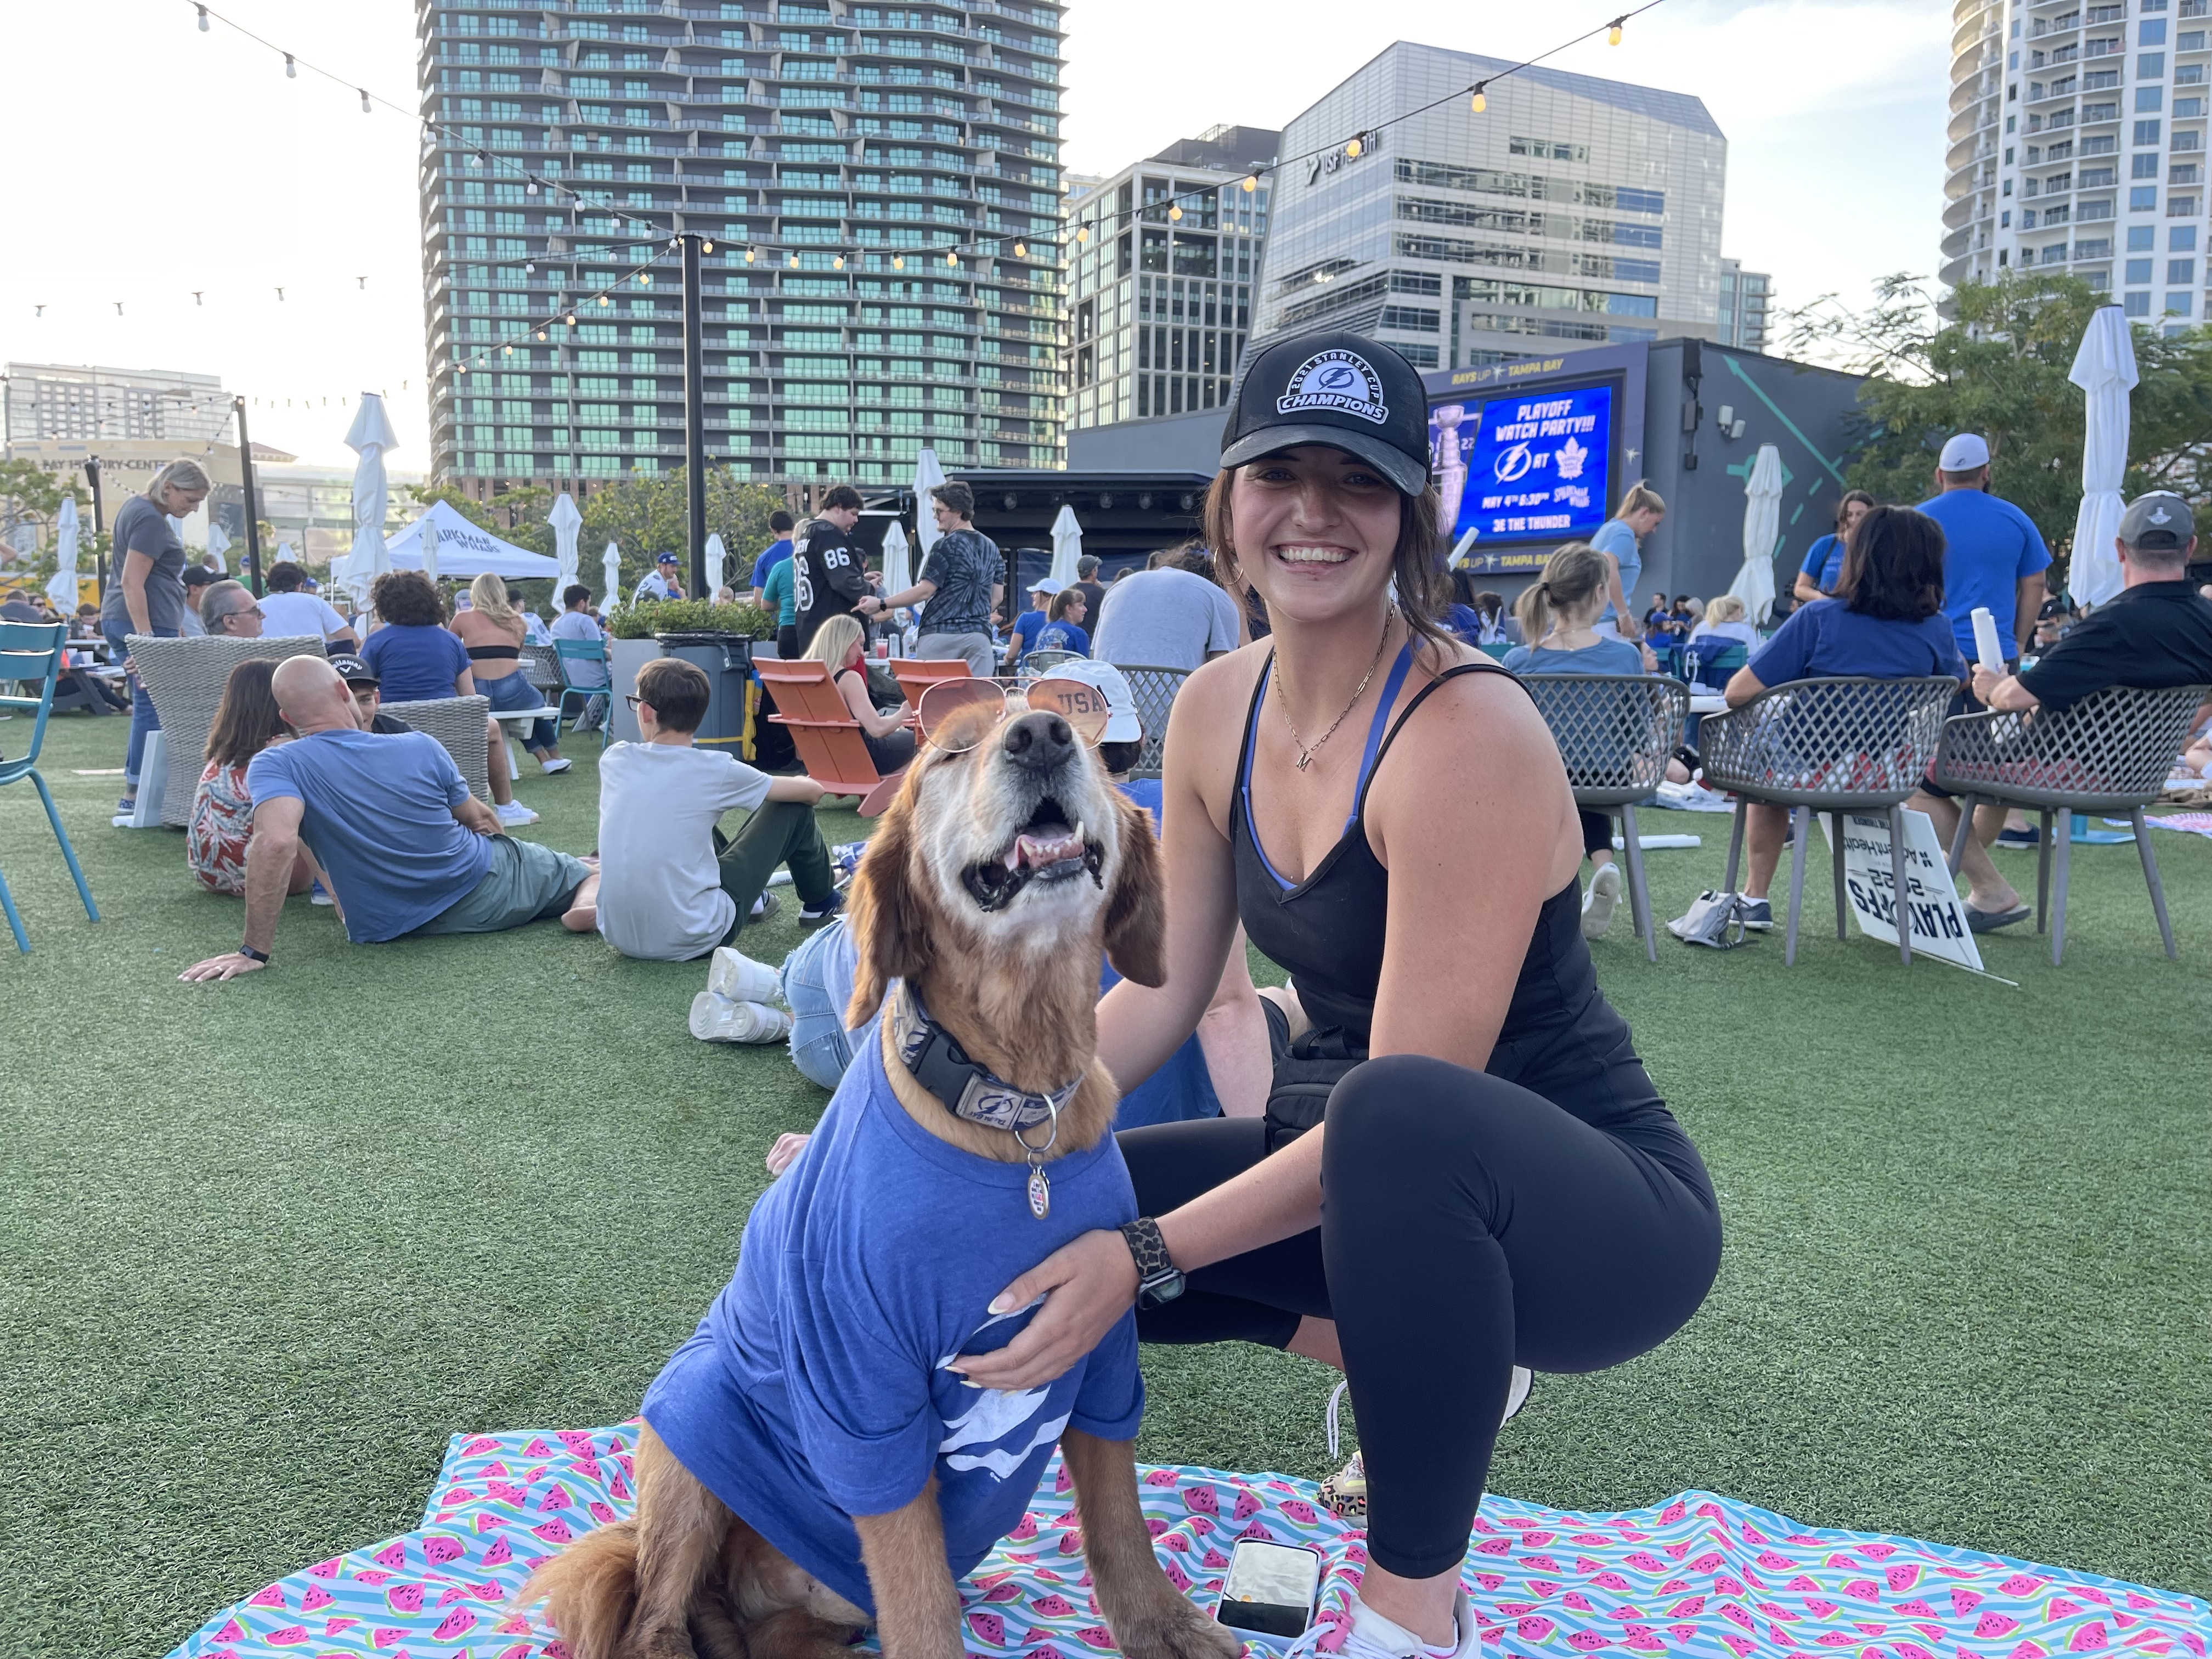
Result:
x=98 y=528
x=245 y=478
x=695 y=420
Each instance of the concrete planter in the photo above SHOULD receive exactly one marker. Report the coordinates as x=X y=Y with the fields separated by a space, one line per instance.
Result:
x=624 y=658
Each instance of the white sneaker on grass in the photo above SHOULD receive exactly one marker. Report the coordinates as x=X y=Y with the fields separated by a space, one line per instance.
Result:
x=719 y=1019
x=555 y=767
x=1599 y=903
x=515 y=812
x=736 y=975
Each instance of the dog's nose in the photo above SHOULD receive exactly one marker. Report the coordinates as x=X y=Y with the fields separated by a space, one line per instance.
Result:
x=1039 y=741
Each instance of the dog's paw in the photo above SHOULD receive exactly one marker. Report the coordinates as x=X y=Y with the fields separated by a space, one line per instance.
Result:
x=1170 y=1627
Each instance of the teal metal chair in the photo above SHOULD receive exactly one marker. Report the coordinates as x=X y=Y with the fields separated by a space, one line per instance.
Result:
x=33 y=651
x=570 y=651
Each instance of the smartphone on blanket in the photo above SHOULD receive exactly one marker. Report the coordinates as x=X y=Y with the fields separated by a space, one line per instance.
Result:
x=1270 y=1588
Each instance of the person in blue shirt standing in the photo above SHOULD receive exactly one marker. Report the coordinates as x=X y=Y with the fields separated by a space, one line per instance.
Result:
x=775 y=553
x=1619 y=538
x=1824 y=560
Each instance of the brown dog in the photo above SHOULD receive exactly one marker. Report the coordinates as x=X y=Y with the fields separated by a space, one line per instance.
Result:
x=1006 y=862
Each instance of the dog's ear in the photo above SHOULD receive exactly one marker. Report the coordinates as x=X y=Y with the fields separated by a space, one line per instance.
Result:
x=1137 y=908
x=890 y=923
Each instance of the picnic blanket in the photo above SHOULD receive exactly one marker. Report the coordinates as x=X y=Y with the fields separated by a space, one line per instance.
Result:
x=1697 y=1575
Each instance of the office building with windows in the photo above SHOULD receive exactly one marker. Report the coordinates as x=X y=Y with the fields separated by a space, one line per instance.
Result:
x=1162 y=260
x=1569 y=210
x=64 y=402
x=833 y=152
x=1745 y=296
x=2077 y=143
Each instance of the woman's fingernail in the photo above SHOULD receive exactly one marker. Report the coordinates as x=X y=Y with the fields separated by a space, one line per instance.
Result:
x=1003 y=1303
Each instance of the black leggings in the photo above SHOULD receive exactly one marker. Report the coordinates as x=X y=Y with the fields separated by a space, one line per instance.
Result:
x=1597 y=832
x=1469 y=1223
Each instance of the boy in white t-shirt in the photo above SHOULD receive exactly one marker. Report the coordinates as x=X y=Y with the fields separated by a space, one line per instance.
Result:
x=671 y=886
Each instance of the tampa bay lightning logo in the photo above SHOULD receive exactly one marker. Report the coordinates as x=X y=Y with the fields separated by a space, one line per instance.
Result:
x=1337 y=379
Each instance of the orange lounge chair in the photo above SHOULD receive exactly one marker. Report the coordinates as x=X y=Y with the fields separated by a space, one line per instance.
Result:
x=916 y=675
x=828 y=739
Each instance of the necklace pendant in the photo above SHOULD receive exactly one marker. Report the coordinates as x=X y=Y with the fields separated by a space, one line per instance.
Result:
x=1305 y=760
x=1040 y=1194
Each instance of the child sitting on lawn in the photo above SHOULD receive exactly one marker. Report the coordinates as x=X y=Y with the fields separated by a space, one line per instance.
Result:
x=672 y=886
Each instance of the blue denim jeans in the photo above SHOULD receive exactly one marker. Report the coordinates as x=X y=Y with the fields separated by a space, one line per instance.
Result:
x=144 y=717
x=818 y=983
x=516 y=691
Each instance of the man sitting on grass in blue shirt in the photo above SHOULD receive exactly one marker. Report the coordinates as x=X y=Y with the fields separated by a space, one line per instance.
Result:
x=405 y=848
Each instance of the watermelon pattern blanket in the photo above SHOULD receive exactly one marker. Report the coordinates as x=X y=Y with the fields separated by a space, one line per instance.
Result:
x=1698 y=1575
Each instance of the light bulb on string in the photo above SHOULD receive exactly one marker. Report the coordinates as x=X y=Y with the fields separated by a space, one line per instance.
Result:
x=837 y=262
x=952 y=260
x=531 y=189
x=291 y=68
x=1083 y=233
x=1175 y=211
x=365 y=108
x=1613 y=34
x=529 y=267
x=898 y=262
x=571 y=319
x=1478 y=103
x=792 y=262
x=541 y=333
x=203 y=18
x=1021 y=251
x=1251 y=183
x=706 y=247
x=749 y=256
x=1352 y=149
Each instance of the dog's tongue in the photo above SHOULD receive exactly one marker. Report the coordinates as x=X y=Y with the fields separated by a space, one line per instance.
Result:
x=1038 y=851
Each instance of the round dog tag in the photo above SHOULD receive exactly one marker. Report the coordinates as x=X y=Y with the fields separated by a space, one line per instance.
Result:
x=1040 y=1195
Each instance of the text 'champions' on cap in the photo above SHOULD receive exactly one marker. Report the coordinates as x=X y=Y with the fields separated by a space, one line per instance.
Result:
x=1337 y=389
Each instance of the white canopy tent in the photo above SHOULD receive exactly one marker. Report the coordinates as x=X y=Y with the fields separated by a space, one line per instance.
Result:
x=2104 y=369
x=462 y=550
x=1762 y=534
x=61 y=586
x=1066 y=545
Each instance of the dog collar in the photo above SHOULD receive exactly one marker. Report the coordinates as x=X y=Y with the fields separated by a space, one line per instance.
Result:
x=968 y=1088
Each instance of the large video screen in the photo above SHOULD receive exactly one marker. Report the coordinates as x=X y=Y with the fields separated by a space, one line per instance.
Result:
x=1533 y=467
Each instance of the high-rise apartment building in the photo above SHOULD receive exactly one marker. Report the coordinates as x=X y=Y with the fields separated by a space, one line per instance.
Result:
x=2077 y=141
x=1745 y=296
x=1162 y=260
x=833 y=152
x=1569 y=210
x=62 y=401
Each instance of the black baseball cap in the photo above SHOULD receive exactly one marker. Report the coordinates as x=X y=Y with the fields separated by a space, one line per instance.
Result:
x=1339 y=389
x=353 y=671
x=2157 y=521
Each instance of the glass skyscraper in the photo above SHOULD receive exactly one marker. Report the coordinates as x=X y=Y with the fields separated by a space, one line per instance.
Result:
x=834 y=153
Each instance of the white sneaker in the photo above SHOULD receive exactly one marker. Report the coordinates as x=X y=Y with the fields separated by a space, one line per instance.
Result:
x=555 y=767
x=716 y=1019
x=736 y=975
x=1598 y=904
x=515 y=812
x=1371 y=1636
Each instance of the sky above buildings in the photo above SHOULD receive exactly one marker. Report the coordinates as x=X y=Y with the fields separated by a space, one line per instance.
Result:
x=166 y=161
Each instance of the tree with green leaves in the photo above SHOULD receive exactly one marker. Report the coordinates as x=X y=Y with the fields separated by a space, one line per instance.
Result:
x=31 y=495
x=645 y=517
x=1994 y=359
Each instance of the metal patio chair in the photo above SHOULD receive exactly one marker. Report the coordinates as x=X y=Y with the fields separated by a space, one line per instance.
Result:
x=458 y=726
x=33 y=652
x=1153 y=689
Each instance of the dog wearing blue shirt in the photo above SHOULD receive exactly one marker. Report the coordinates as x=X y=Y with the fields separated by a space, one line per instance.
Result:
x=813 y=1460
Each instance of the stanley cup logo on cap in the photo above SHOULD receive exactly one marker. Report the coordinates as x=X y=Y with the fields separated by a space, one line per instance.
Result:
x=1335 y=380
x=2160 y=515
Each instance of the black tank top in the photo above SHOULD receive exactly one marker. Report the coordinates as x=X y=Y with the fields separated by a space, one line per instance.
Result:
x=1561 y=1038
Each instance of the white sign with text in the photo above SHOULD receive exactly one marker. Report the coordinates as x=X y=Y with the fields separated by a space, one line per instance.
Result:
x=1936 y=914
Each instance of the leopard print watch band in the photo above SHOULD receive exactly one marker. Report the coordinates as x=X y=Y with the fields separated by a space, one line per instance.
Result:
x=1158 y=1279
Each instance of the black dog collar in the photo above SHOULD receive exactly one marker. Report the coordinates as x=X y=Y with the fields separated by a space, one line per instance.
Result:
x=967 y=1087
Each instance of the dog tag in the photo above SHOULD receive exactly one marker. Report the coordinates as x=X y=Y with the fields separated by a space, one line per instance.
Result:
x=1040 y=1194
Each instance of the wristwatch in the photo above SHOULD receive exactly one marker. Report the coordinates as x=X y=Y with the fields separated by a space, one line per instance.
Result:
x=1159 y=1281
x=253 y=955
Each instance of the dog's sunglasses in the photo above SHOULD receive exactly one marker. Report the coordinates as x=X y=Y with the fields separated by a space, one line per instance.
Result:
x=1083 y=707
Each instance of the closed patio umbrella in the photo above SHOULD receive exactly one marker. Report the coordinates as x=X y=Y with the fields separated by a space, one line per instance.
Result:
x=429 y=545
x=567 y=524
x=927 y=475
x=2104 y=369
x=61 y=586
x=611 y=562
x=898 y=559
x=218 y=543
x=1066 y=545
x=1762 y=534
x=717 y=557
x=369 y=437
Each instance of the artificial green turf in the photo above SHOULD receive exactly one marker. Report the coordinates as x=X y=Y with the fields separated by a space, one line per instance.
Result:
x=265 y=1245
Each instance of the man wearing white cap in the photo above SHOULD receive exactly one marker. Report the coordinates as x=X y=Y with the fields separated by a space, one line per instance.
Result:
x=1993 y=553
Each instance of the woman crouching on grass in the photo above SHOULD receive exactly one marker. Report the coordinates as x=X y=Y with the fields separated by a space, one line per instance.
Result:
x=221 y=822
x=1505 y=1187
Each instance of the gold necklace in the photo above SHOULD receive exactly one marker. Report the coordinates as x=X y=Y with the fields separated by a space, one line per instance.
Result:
x=1306 y=754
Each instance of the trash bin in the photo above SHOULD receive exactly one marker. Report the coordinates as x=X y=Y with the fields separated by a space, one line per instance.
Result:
x=727 y=660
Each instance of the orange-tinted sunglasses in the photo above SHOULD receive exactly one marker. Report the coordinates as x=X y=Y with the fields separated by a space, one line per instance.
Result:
x=1083 y=707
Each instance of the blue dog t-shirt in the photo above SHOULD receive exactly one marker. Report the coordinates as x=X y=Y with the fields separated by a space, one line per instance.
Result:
x=815 y=1389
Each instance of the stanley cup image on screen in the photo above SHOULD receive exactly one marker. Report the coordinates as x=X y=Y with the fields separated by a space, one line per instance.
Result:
x=1536 y=468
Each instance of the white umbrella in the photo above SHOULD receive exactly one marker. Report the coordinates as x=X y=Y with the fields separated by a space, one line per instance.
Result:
x=927 y=475
x=1066 y=545
x=429 y=545
x=898 y=559
x=567 y=524
x=218 y=543
x=717 y=555
x=1762 y=533
x=61 y=586
x=368 y=437
x=2104 y=369
x=611 y=562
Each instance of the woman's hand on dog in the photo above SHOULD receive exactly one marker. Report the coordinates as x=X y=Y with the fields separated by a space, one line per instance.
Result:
x=1088 y=1283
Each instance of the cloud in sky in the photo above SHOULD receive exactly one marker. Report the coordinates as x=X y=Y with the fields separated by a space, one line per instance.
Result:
x=151 y=160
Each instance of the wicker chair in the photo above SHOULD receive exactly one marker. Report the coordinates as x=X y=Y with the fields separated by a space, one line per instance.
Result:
x=185 y=679
x=2109 y=752
x=1154 y=691
x=1615 y=732
x=458 y=724
x=1840 y=745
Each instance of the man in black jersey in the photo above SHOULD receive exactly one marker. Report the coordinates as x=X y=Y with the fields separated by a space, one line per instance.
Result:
x=826 y=578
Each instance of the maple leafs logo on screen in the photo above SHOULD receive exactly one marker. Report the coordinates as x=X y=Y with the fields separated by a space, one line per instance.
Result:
x=1573 y=457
